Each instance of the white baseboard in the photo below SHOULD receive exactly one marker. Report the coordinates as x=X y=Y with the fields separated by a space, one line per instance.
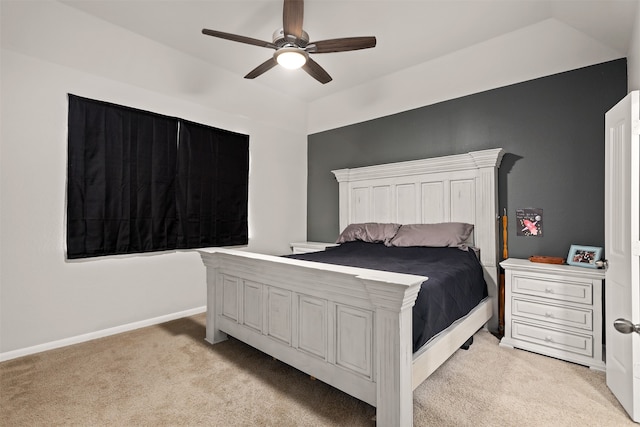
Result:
x=99 y=334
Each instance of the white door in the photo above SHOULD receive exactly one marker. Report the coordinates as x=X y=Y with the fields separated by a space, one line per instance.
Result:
x=622 y=245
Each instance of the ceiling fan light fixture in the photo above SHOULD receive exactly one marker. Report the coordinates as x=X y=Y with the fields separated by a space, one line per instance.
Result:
x=291 y=58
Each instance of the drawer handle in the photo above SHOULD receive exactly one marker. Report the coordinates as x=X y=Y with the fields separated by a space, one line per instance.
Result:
x=549 y=315
x=548 y=339
x=549 y=290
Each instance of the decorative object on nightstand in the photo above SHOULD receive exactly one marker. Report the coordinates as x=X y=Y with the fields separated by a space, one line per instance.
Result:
x=306 y=247
x=555 y=310
x=546 y=259
x=584 y=256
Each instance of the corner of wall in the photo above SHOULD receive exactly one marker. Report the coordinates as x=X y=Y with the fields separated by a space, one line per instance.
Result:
x=633 y=55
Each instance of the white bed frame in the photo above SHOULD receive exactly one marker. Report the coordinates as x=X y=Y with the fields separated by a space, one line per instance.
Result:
x=352 y=327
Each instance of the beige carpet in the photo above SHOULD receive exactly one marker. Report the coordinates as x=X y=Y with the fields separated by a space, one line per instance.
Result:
x=167 y=375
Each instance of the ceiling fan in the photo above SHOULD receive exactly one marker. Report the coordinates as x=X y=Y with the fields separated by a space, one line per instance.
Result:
x=292 y=46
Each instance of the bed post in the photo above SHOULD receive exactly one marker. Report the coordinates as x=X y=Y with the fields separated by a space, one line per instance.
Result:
x=342 y=177
x=487 y=163
x=214 y=298
x=393 y=350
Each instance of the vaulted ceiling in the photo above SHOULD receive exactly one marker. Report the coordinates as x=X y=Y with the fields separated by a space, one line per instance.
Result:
x=408 y=32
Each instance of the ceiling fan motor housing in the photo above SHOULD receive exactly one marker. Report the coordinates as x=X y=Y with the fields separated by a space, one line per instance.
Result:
x=282 y=40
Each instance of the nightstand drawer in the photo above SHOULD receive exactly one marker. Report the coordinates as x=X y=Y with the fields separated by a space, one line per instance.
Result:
x=561 y=340
x=557 y=314
x=566 y=290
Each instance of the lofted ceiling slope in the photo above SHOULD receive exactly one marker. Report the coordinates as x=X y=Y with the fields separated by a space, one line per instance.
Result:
x=408 y=32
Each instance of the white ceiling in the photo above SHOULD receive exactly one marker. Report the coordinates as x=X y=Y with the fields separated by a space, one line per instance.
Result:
x=408 y=32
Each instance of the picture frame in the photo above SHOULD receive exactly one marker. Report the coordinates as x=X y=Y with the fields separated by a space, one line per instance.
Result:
x=584 y=256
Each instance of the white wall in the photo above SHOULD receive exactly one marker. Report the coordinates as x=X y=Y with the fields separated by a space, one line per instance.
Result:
x=49 y=50
x=512 y=58
x=633 y=57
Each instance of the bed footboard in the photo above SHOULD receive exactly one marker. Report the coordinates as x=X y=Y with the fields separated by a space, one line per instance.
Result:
x=349 y=327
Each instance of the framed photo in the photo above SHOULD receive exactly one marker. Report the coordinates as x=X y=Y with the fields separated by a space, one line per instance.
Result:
x=584 y=256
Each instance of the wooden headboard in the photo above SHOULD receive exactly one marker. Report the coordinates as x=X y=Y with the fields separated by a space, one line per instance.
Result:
x=456 y=188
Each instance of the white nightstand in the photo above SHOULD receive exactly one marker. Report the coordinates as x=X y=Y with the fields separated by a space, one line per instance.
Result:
x=305 y=247
x=555 y=310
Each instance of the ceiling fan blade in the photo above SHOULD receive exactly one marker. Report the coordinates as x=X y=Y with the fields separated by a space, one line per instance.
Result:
x=341 y=45
x=237 y=38
x=262 y=68
x=316 y=71
x=292 y=15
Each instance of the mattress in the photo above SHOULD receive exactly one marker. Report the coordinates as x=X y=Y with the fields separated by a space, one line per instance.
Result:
x=455 y=283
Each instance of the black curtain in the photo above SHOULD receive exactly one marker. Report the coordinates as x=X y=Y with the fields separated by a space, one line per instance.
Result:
x=213 y=170
x=130 y=191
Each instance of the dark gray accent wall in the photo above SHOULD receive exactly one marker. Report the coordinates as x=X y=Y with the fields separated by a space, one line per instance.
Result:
x=551 y=128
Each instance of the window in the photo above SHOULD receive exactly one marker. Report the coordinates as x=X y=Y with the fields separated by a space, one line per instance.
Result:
x=141 y=182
